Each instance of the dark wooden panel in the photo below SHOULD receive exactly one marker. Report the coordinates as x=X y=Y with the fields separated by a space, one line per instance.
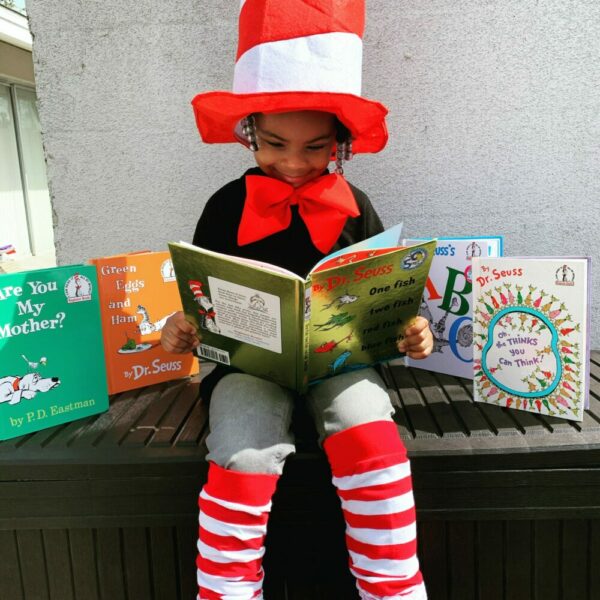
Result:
x=10 y=570
x=187 y=536
x=91 y=435
x=433 y=558
x=164 y=569
x=518 y=567
x=417 y=415
x=83 y=561
x=574 y=559
x=467 y=410
x=109 y=563
x=594 y=561
x=177 y=415
x=439 y=406
x=195 y=426
x=546 y=562
x=58 y=564
x=119 y=430
x=33 y=564
x=489 y=557
x=149 y=423
x=461 y=551
x=136 y=563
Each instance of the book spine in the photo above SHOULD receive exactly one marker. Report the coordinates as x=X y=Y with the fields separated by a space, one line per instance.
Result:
x=304 y=331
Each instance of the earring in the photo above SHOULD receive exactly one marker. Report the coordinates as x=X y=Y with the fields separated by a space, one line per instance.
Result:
x=249 y=131
x=343 y=152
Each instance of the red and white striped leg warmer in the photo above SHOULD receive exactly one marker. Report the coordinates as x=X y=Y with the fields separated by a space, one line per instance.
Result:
x=372 y=475
x=234 y=509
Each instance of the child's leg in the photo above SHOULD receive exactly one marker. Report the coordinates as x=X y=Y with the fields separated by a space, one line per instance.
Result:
x=370 y=469
x=248 y=443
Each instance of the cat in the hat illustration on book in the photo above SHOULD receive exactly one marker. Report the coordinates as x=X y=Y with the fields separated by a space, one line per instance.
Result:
x=296 y=104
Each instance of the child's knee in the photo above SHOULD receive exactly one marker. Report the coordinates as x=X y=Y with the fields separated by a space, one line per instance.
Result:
x=349 y=400
x=252 y=460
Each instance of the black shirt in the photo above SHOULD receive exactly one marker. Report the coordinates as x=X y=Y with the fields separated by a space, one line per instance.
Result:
x=291 y=249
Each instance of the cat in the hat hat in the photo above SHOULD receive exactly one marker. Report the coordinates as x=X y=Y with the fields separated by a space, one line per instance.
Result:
x=296 y=105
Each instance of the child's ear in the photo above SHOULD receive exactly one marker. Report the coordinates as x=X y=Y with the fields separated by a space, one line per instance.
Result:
x=332 y=156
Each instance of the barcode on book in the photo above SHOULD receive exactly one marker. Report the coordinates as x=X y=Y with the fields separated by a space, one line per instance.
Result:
x=215 y=354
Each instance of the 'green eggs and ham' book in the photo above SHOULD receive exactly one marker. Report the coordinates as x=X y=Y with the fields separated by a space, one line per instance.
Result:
x=51 y=353
x=349 y=313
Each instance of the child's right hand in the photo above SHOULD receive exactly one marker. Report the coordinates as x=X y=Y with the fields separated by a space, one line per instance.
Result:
x=179 y=335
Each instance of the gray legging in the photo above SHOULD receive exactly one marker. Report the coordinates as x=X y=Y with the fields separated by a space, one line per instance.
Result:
x=250 y=417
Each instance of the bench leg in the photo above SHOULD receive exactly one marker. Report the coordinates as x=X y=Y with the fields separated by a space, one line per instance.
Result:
x=234 y=509
x=372 y=475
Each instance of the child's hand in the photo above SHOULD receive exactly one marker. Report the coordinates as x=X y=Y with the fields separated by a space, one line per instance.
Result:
x=179 y=335
x=418 y=339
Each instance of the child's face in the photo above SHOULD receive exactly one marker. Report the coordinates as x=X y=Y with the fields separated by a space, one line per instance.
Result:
x=294 y=147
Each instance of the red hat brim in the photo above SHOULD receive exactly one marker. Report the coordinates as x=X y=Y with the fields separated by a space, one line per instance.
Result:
x=217 y=114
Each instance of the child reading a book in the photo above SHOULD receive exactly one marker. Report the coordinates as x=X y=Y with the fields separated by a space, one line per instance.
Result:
x=295 y=103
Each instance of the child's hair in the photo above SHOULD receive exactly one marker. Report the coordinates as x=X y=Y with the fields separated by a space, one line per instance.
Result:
x=343 y=139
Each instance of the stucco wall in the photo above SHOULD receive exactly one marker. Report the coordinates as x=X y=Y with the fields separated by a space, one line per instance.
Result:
x=494 y=119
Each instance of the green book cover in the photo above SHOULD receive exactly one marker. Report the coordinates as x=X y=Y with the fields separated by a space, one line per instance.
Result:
x=349 y=313
x=51 y=353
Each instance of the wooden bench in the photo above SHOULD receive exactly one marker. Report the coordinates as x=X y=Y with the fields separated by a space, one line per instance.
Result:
x=105 y=507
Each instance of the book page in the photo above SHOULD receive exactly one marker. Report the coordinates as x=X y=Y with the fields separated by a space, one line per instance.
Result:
x=247 y=317
x=389 y=238
x=358 y=311
x=259 y=264
x=246 y=314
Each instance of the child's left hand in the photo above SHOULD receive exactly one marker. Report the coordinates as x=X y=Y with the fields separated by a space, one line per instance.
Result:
x=418 y=339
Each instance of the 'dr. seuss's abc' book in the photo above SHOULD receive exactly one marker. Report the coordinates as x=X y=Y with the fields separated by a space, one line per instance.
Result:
x=138 y=293
x=348 y=313
x=51 y=354
x=447 y=300
x=531 y=323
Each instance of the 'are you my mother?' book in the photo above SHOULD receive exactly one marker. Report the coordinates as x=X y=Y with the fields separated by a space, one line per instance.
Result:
x=531 y=333
x=51 y=355
x=350 y=312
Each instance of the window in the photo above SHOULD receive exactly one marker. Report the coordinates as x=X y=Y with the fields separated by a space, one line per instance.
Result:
x=25 y=210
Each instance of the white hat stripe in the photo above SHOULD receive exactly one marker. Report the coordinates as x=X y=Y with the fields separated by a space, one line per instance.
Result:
x=330 y=62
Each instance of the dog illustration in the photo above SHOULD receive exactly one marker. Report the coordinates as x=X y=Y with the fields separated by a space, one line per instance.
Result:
x=14 y=389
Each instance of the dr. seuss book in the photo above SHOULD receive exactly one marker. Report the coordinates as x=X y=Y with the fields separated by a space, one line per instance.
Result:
x=349 y=313
x=531 y=334
x=446 y=303
x=51 y=355
x=138 y=293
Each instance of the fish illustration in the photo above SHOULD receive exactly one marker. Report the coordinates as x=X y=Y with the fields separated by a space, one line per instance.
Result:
x=335 y=321
x=329 y=346
x=341 y=301
x=340 y=361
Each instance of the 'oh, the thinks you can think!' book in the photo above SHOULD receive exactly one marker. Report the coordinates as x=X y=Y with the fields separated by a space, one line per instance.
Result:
x=531 y=334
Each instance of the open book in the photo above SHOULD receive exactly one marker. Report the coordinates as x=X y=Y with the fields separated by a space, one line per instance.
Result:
x=348 y=313
x=531 y=323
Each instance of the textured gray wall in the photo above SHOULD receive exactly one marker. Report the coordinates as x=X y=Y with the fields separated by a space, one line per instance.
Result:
x=494 y=119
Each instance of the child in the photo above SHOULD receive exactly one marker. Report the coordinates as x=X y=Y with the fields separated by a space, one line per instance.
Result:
x=290 y=212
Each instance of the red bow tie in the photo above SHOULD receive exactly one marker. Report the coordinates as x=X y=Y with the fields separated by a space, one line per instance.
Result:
x=324 y=204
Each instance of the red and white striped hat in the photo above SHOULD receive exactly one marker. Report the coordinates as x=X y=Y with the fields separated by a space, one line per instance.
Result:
x=296 y=55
